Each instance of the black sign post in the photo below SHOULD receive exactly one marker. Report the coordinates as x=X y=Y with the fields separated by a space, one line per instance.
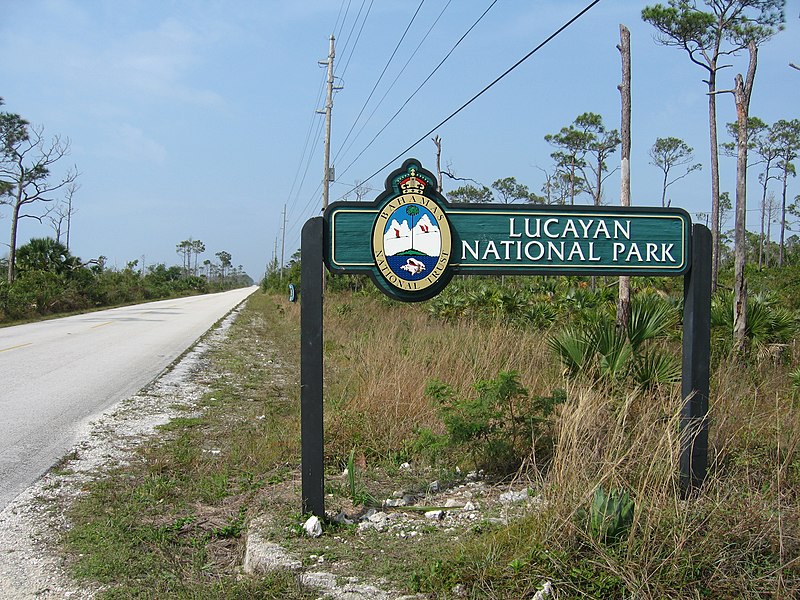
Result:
x=411 y=241
x=311 y=418
x=696 y=361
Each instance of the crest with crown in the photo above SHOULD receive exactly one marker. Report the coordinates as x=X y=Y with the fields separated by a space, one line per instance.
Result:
x=413 y=184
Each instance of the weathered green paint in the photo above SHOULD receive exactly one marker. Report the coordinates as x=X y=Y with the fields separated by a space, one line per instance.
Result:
x=502 y=239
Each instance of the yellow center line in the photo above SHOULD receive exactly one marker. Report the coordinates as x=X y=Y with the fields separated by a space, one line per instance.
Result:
x=15 y=347
x=102 y=324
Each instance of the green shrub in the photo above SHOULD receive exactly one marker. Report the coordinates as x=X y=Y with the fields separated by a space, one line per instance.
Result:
x=594 y=347
x=769 y=325
x=610 y=515
x=500 y=426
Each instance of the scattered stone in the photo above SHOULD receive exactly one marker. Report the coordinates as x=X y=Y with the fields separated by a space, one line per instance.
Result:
x=469 y=506
x=545 y=592
x=319 y=580
x=434 y=487
x=313 y=527
x=435 y=515
x=378 y=517
x=452 y=503
x=513 y=497
x=405 y=466
x=394 y=503
x=341 y=519
x=374 y=520
x=459 y=591
x=261 y=556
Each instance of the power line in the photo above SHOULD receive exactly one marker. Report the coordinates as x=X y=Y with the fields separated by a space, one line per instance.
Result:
x=344 y=19
x=298 y=220
x=308 y=138
x=488 y=87
x=416 y=91
x=358 y=36
x=310 y=201
x=383 y=72
x=397 y=77
x=314 y=112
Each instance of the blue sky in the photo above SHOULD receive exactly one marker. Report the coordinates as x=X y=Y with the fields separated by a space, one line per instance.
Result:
x=197 y=118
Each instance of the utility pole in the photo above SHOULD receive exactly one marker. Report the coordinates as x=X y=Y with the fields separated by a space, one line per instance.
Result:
x=326 y=180
x=326 y=176
x=283 y=240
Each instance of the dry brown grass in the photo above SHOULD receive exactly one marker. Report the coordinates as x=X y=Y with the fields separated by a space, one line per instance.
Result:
x=739 y=538
x=379 y=358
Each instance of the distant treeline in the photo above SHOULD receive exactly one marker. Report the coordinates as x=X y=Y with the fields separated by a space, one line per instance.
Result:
x=49 y=280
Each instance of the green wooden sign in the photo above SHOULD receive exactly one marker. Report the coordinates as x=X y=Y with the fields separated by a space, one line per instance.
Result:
x=411 y=241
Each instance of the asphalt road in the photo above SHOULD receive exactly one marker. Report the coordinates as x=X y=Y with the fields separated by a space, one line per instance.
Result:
x=57 y=375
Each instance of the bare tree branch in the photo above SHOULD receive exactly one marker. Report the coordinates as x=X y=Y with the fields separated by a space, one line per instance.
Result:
x=451 y=175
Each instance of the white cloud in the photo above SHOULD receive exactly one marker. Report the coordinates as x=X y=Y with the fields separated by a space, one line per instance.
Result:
x=159 y=62
x=131 y=143
x=101 y=59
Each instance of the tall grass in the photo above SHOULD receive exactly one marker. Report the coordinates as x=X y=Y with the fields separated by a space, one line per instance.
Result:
x=380 y=357
x=738 y=538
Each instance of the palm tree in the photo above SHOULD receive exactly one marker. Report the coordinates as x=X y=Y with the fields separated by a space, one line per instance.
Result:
x=45 y=254
x=412 y=210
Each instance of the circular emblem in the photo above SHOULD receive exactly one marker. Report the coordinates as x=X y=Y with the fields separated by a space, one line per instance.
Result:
x=411 y=238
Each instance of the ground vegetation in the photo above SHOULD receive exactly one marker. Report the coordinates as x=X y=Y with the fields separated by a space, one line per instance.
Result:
x=529 y=383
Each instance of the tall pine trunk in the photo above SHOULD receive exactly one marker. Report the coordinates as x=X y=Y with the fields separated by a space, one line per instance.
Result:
x=742 y=92
x=712 y=125
x=624 y=303
x=783 y=217
x=763 y=217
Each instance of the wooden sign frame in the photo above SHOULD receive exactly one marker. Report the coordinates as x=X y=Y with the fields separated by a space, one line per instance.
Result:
x=370 y=238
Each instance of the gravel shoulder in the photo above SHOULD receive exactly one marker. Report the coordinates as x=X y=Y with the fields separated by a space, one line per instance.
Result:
x=30 y=563
x=32 y=567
